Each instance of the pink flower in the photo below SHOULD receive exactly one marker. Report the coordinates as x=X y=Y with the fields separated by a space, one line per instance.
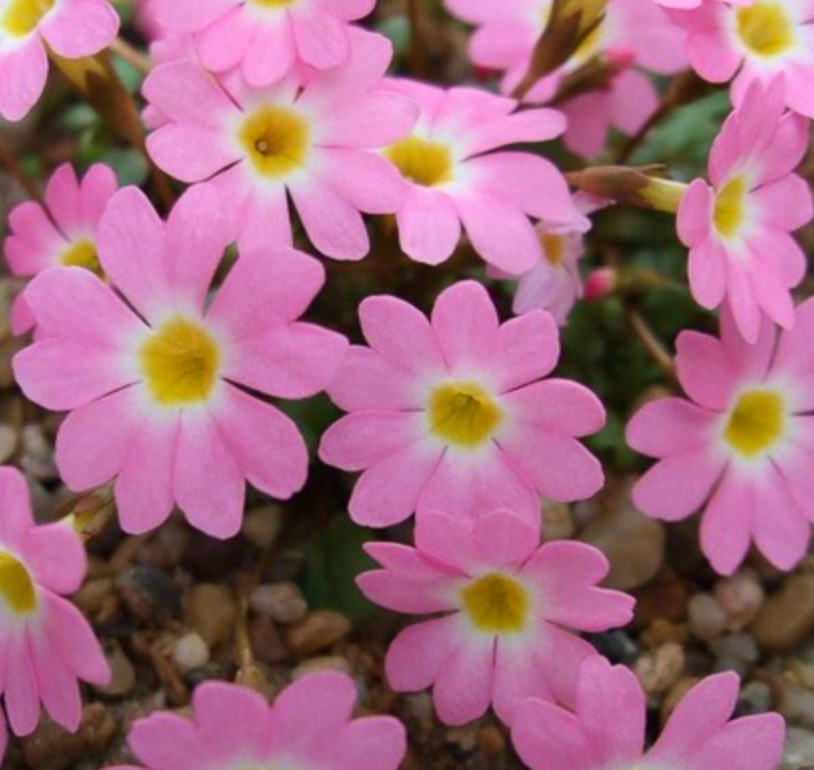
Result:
x=46 y=645
x=635 y=33
x=754 y=41
x=61 y=232
x=507 y=607
x=454 y=177
x=265 y=38
x=159 y=382
x=309 y=726
x=738 y=227
x=70 y=28
x=740 y=448
x=608 y=728
x=555 y=284
x=310 y=140
x=454 y=414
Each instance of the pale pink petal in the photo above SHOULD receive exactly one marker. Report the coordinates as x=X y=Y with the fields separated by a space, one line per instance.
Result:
x=33 y=242
x=72 y=639
x=500 y=233
x=518 y=676
x=311 y=711
x=780 y=529
x=144 y=495
x=333 y=225
x=678 y=485
x=56 y=557
x=463 y=687
x=95 y=190
x=466 y=322
x=265 y=444
x=755 y=742
x=700 y=714
x=695 y=213
x=785 y=204
x=419 y=653
x=62 y=199
x=22 y=697
x=527 y=349
x=167 y=740
x=15 y=503
x=367 y=181
x=562 y=654
x=190 y=15
x=370 y=743
x=360 y=440
x=726 y=524
x=23 y=71
x=207 y=481
x=526 y=126
x=321 y=38
x=558 y=406
x=57 y=685
x=130 y=241
x=706 y=372
x=388 y=492
x=270 y=56
x=429 y=228
x=612 y=710
x=401 y=334
x=222 y=45
x=366 y=380
x=188 y=152
x=503 y=539
x=375 y=119
x=669 y=426
x=548 y=737
x=80 y=28
x=402 y=594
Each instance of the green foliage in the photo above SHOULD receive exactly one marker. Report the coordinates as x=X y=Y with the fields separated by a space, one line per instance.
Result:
x=334 y=559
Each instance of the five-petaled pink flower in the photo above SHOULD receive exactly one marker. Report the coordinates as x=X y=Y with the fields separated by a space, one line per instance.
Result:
x=311 y=136
x=741 y=447
x=265 y=38
x=71 y=29
x=635 y=35
x=454 y=414
x=737 y=228
x=159 y=382
x=46 y=645
x=507 y=606
x=608 y=728
x=310 y=725
x=555 y=284
x=455 y=177
x=754 y=41
x=60 y=232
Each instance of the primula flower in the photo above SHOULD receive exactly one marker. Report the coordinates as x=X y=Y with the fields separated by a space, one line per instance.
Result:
x=454 y=177
x=635 y=35
x=265 y=38
x=310 y=140
x=159 y=383
x=737 y=228
x=454 y=414
x=71 y=29
x=60 y=232
x=507 y=607
x=309 y=726
x=740 y=447
x=754 y=41
x=607 y=729
x=46 y=645
x=555 y=284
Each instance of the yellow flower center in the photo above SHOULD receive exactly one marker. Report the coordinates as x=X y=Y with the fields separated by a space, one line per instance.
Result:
x=756 y=422
x=22 y=16
x=273 y=3
x=553 y=248
x=496 y=604
x=730 y=207
x=16 y=586
x=82 y=254
x=275 y=140
x=180 y=362
x=765 y=28
x=463 y=413
x=425 y=163
x=590 y=44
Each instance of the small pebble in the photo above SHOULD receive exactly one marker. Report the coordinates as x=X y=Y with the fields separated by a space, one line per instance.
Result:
x=211 y=610
x=741 y=597
x=787 y=617
x=282 y=602
x=707 y=617
x=122 y=673
x=735 y=652
x=190 y=651
x=262 y=526
x=149 y=593
x=324 y=663
x=658 y=670
x=797 y=705
x=320 y=630
x=558 y=521
x=267 y=644
x=491 y=741
x=799 y=751
x=754 y=698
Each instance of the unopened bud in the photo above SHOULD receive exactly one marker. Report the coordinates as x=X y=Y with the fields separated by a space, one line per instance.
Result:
x=634 y=186
x=600 y=284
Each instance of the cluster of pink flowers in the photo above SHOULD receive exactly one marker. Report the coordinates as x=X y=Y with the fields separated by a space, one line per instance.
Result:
x=166 y=369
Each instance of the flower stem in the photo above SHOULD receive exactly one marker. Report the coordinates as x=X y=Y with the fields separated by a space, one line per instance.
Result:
x=13 y=169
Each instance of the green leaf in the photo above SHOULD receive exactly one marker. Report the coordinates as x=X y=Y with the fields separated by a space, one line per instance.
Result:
x=333 y=560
